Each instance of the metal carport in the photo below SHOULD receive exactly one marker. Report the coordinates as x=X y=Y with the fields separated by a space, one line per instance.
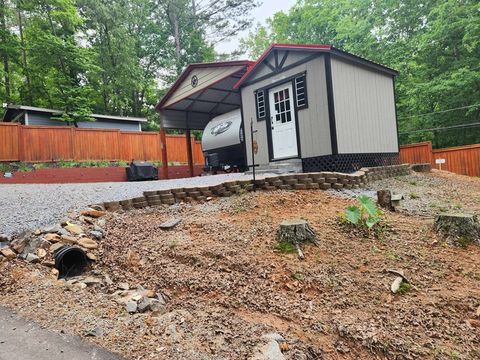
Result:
x=202 y=92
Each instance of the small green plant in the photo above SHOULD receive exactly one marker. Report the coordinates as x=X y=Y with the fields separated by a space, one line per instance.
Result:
x=39 y=166
x=414 y=195
x=285 y=247
x=404 y=288
x=122 y=163
x=365 y=214
x=67 y=164
x=22 y=167
x=457 y=206
x=413 y=183
x=5 y=168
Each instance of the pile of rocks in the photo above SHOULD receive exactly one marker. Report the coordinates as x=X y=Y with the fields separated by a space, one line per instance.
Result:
x=40 y=245
x=139 y=300
x=306 y=181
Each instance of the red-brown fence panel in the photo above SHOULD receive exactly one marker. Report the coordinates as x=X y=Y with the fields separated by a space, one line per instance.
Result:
x=463 y=160
x=177 y=150
x=140 y=146
x=9 y=137
x=46 y=143
x=416 y=153
x=96 y=144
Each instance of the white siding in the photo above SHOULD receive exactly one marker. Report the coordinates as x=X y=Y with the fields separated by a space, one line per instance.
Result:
x=314 y=128
x=364 y=109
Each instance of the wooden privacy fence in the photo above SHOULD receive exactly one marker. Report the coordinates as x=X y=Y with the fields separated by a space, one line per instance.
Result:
x=52 y=143
x=464 y=160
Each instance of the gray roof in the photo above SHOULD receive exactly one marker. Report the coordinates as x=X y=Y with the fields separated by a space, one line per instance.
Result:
x=11 y=110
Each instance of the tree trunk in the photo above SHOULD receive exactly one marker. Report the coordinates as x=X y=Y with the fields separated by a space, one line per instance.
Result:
x=295 y=232
x=26 y=72
x=459 y=229
x=3 y=29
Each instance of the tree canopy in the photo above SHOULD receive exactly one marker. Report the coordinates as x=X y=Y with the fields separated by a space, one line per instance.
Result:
x=111 y=57
x=435 y=44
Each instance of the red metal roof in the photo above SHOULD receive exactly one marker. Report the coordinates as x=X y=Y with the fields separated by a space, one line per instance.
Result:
x=190 y=67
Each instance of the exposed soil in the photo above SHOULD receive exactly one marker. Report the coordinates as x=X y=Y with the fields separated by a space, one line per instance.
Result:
x=228 y=285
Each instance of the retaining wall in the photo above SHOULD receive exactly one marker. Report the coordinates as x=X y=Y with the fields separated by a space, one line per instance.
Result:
x=306 y=181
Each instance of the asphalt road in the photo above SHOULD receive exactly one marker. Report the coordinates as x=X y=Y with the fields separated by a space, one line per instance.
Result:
x=25 y=340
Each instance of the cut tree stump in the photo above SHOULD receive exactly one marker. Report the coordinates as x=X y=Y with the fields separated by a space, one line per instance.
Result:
x=295 y=232
x=384 y=199
x=459 y=229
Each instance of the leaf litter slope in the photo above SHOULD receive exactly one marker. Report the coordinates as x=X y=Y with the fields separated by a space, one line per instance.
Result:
x=228 y=286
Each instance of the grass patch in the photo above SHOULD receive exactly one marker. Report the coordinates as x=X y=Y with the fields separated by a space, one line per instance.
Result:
x=5 y=168
x=404 y=288
x=22 y=167
x=284 y=247
x=413 y=183
x=414 y=195
x=39 y=166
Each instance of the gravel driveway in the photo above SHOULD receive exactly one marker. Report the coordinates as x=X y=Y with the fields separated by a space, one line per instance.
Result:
x=24 y=207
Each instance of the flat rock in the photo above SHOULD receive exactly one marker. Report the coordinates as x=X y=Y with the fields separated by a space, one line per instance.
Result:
x=8 y=253
x=32 y=258
x=131 y=307
x=270 y=351
x=55 y=247
x=74 y=229
x=144 y=304
x=52 y=228
x=4 y=237
x=123 y=286
x=96 y=234
x=170 y=224
x=68 y=240
x=52 y=237
x=93 y=213
x=87 y=243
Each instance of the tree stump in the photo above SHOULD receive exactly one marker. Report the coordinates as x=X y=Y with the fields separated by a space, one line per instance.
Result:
x=295 y=232
x=384 y=199
x=459 y=229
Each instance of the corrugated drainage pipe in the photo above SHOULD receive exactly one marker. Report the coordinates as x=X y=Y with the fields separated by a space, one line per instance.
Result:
x=70 y=261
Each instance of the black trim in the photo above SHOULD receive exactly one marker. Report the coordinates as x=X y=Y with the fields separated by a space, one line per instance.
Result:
x=242 y=128
x=275 y=54
x=396 y=118
x=282 y=62
x=361 y=61
x=291 y=66
x=331 y=104
x=281 y=81
x=270 y=66
x=349 y=163
x=305 y=91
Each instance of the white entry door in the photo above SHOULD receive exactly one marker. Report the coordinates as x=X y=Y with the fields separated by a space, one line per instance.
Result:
x=282 y=122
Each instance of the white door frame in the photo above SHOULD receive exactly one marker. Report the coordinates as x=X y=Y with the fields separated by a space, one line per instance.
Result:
x=282 y=122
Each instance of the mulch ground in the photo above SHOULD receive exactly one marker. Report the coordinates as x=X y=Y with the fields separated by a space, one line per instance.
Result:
x=228 y=285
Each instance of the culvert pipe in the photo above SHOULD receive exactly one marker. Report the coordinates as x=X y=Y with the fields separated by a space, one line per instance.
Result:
x=70 y=261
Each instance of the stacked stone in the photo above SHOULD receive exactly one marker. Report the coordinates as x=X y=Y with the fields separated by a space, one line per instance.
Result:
x=272 y=183
x=111 y=206
x=232 y=187
x=205 y=193
x=139 y=202
x=153 y=199
x=166 y=197
x=288 y=181
x=218 y=190
x=246 y=185
x=126 y=204
x=179 y=194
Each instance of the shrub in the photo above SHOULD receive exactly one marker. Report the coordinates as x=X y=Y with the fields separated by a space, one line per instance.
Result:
x=365 y=214
x=23 y=167
x=122 y=163
x=39 y=166
x=5 y=168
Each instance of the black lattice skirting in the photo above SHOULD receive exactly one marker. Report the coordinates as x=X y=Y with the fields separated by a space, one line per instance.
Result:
x=348 y=163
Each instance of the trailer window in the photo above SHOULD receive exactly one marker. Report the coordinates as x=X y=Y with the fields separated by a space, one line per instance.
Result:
x=301 y=92
x=260 y=104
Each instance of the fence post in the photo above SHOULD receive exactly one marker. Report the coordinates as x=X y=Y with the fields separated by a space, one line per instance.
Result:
x=21 y=148
x=72 y=142
x=163 y=147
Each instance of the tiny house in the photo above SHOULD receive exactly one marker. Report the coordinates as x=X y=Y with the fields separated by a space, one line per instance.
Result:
x=30 y=115
x=311 y=107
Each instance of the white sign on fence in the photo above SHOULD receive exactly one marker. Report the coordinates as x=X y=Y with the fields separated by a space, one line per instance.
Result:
x=439 y=161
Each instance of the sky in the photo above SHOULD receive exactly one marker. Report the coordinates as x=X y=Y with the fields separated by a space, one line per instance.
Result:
x=264 y=11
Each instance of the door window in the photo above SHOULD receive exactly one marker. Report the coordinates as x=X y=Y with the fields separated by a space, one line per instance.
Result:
x=282 y=106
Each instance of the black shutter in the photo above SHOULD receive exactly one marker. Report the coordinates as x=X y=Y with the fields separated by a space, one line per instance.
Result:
x=301 y=99
x=260 y=105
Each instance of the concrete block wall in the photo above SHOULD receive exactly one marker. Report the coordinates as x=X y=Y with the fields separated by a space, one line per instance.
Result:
x=305 y=181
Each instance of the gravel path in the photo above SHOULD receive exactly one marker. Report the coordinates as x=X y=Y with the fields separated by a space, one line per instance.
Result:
x=24 y=207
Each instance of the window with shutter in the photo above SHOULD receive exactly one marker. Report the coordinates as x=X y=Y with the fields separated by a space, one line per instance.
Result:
x=260 y=103
x=301 y=92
